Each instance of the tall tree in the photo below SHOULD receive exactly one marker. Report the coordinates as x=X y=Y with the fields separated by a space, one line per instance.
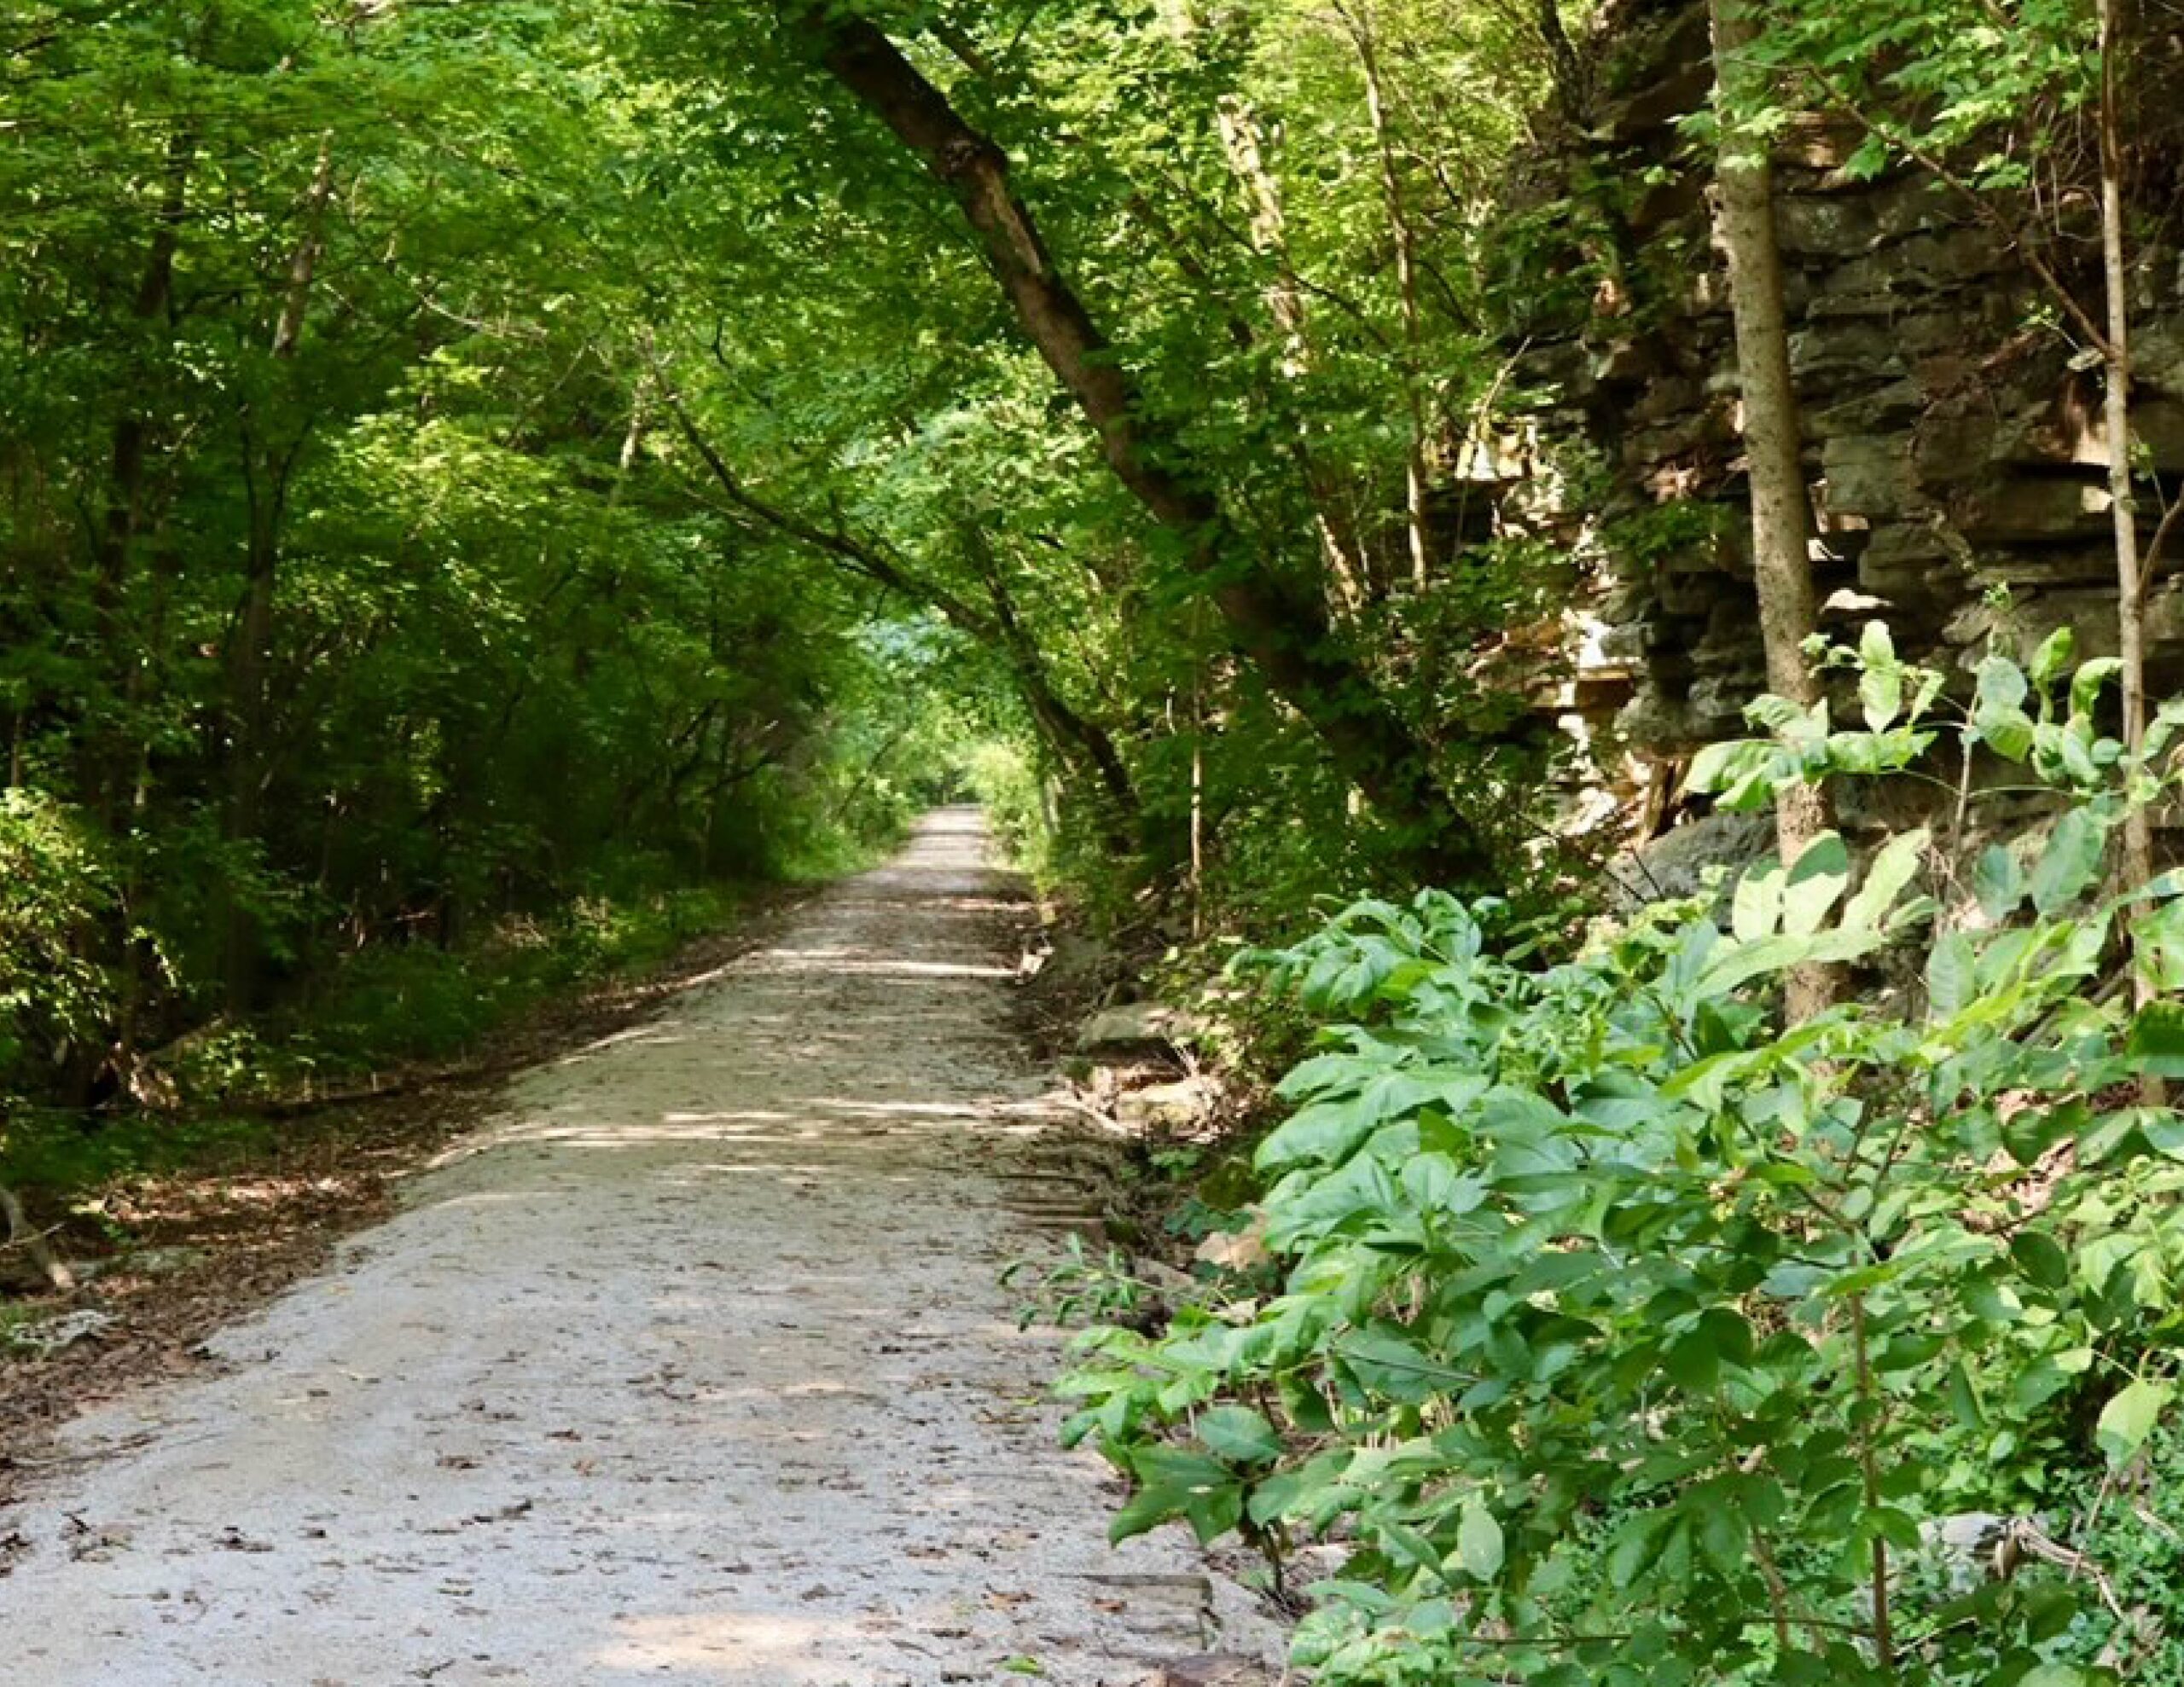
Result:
x=2116 y=355
x=1285 y=634
x=1781 y=511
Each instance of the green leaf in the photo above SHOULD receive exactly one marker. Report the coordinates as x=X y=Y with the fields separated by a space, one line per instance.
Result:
x=1694 y=1362
x=1144 y=1510
x=1755 y=906
x=2001 y=684
x=1637 y=1545
x=1893 y=867
x=2052 y=657
x=1816 y=881
x=2070 y=862
x=2040 y=1258
x=1741 y=773
x=1479 y=1540
x=2157 y=1040
x=2157 y=946
x=2007 y=732
x=1880 y=686
x=1330 y=1131
x=2129 y=1417
x=2085 y=687
x=1396 y=1369
x=1239 y=1435
x=1997 y=882
x=1952 y=975
x=1868 y=160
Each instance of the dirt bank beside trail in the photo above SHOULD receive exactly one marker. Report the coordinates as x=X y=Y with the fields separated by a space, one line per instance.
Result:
x=695 y=1368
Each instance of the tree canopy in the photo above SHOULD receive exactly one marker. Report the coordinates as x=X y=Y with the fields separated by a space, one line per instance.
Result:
x=458 y=455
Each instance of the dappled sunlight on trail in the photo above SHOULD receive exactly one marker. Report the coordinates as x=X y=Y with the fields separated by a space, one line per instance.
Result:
x=697 y=1368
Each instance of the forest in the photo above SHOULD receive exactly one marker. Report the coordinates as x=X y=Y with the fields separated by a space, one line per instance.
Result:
x=1592 y=580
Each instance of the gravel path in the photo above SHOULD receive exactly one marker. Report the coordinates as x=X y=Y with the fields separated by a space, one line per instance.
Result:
x=695 y=1368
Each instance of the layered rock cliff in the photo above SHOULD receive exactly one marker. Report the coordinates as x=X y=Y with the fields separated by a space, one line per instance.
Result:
x=1955 y=444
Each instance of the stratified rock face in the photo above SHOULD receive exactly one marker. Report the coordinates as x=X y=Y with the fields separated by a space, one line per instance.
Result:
x=1955 y=447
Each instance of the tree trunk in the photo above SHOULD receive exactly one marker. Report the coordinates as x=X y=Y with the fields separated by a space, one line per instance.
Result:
x=1285 y=635
x=1782 y=513
x=1078 y=739
x=247 y=747
x=105 y=762
x=2130 y=581
x=2137 y=863
x=1081 y=741
x=1404 y=236
x=1564 y=69
x=1284 y=300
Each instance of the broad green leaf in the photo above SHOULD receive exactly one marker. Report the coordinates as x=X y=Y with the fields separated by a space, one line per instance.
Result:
x=2040 y=1258
x=2052 y=657
x=2157 y=946
x=1997 y=882
x=2085 y=687
x=2129 y=1417
x=1330 y=1132
x=1240 y=1434
x=1952 y=975
x=1817 y=878
x=2001 y=684
x=1742 y=775
x=1479 y=1540
x=1755 y=906
x=2007 y=732
x=1895 y=866
x=1693 y=1361
x=1398 y=1369
x=1637 y=1544
x=2157 y=1040
x=1735 y=965
x=2070 y=862
x=1880 y=686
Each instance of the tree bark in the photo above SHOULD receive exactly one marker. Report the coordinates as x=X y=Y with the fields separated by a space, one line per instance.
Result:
x=1285 y=301
x=1077 y=737
x=1284 y=635
x=1359 y=22
x=1781 y=513
x=1564 y=68
x=104 y=762
x=2137 y=863
x=2130 y=581
x=247 y=732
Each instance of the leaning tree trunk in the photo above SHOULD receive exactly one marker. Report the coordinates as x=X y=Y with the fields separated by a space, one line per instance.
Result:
x=1781 y=516
x=1284 y=634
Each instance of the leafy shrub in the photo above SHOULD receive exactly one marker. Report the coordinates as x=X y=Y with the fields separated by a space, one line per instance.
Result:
x=1627 y=1332
x=1006 y=781
x=390 y=1003
x=53 y=883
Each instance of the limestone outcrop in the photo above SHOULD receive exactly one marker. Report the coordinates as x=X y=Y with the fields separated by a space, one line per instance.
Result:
x=1954 y=443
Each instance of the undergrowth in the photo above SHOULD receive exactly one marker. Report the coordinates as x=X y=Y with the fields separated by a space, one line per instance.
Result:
x=382 y=1008
x=1600 y=1323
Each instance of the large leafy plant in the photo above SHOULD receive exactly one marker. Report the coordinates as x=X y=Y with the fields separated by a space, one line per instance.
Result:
x=1621 y=1331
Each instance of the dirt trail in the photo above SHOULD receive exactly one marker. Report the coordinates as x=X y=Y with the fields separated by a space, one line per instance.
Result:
x=696 y=1369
